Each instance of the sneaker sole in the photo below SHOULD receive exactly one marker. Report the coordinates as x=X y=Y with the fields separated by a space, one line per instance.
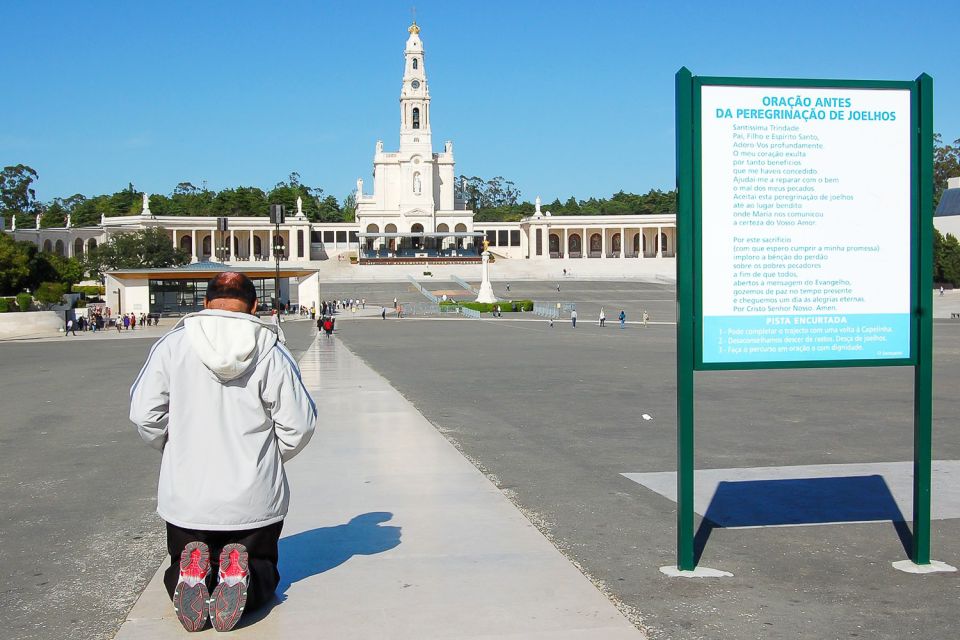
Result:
x=190 y=601
x=228 y=601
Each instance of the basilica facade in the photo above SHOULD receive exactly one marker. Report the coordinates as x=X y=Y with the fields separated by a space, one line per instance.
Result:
x=411 y=214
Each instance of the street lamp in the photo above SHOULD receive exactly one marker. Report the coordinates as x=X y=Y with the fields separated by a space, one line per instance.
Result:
x=277 y=216
x=222 y=249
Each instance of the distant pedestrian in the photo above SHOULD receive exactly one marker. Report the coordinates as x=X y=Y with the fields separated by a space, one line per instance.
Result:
x=941 y=290
x=645 y=317
x=117 y=323
x=573 y=318
x=70 y=328
x=508 y=287
x=558 y=287
x=603 y=318
x=551 y=323
x=623 y=318
x=328 y=326
x=126 y=322
x=133 y=321
x=363 y=303
x=383 y=313
x=564 y=272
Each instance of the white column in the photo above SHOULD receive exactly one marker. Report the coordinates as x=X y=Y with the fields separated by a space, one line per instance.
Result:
x=174 y=233
x=603 y=242
x=565 y=250
x=193 y=243
x=584 y=244
x=623 y=243
x=232 y=240
x=659 y=248
x=640 y=251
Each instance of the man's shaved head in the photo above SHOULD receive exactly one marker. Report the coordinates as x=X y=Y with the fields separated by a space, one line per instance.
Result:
x=231 y=285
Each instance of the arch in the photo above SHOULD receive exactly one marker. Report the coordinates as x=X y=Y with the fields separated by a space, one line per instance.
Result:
x=596 y=243
x=257 y=246
x=78 y=247
x=391 y=228
x=206 y=245
x=91 y=244
x=460 y=228
x=554 y=244
x=372 y=228
x=575 y=245
x=663 y=244
x=58 y=248
x=443 y=228
x=47 y=246
x=417 y=242
x=186 y=244
x=236 y=247
x=414 y=63
x=636 y=244
x=416 y=117
x=615 y=241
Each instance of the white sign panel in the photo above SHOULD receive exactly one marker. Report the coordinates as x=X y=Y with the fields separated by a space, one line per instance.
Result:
x=805 y=224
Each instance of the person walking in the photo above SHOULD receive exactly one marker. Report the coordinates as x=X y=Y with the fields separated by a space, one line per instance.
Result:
x=133 y=321
x=383 y=313
x=126 y=322
x=602 y=317
x=623 y=318
x=222 y=398
x=645 y=317
x=70 y=328
x=573 y=318
x=508 y=287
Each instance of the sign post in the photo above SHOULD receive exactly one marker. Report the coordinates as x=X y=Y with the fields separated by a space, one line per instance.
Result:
x=804 y=241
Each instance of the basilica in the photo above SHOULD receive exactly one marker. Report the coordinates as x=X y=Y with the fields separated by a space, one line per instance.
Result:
x=411 y=214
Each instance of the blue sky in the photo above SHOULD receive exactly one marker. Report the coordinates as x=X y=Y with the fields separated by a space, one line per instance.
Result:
x=563 y=98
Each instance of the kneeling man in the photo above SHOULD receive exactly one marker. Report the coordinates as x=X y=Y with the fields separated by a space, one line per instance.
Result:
x=222 y=398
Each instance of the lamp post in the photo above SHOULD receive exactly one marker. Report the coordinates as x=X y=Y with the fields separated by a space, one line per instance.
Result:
x=222 y=250
x=277 y=216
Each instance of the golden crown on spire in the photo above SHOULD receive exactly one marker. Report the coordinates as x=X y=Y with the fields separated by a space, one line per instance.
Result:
x=414 y=29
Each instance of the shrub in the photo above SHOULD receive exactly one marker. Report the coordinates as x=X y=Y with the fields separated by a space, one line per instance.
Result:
x=88 y=290
x=506 y=306
x=4 y=305
x=50 y=293
x=24 y=301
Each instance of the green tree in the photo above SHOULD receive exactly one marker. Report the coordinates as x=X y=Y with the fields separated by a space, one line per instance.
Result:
x=15 y=262
x=951 y=260
x=49 y=294
x=146 y=249
x=946 y=164
x=17 y=195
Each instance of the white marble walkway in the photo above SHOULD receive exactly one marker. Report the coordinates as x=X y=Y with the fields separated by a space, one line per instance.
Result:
x=392 y=533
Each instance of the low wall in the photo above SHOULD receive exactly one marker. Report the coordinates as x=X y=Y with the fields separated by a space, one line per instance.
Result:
x=30 y=324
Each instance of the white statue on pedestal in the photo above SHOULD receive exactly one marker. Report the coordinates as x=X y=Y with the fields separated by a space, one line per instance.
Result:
x=38 y=222
x=103 y=219
x=14 y=226
x=68 y=221
x=486 y=291
x=299 y=207
x=379 y=146
x=360 y=185
x=537 y=205
x=146 y=205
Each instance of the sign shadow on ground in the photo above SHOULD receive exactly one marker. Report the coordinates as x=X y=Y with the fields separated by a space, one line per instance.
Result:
x=800 y=501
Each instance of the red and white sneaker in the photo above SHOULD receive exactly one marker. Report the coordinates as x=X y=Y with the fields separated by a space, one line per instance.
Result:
x=230 y=596
x=191 y=595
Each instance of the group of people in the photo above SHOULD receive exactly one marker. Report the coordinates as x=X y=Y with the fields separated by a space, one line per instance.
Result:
x=98 y=321
x=330 y=307
x=602 y=318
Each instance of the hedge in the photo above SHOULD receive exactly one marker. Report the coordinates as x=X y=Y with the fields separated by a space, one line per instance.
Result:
x=90 y=290
x=506 y=306
x=24 y=301
x=5 y=305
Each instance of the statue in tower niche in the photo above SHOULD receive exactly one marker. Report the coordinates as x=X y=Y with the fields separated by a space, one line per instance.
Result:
x=416 y=183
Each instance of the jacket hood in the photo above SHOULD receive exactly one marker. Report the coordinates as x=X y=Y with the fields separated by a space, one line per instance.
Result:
x=229 y=343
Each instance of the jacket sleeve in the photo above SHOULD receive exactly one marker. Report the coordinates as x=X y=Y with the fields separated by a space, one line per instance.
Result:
x=150 y=399
x=293 y=411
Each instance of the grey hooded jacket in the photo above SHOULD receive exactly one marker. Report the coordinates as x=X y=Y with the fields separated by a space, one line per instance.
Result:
x=222 y=398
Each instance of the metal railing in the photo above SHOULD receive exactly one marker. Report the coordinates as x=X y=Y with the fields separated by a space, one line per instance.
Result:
x=463 y=283
x=469 y=313
x=546 y=309
x=429 y=296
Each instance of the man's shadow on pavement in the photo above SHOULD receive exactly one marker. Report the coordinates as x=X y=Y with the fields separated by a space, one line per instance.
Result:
x=312 y=552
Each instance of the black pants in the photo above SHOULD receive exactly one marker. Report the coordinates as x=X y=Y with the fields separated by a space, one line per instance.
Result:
x=261 y=544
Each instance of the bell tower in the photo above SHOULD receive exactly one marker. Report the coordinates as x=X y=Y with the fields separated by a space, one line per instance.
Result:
x=414 y=98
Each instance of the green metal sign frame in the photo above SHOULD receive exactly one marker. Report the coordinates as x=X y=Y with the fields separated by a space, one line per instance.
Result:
x=689 y=291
